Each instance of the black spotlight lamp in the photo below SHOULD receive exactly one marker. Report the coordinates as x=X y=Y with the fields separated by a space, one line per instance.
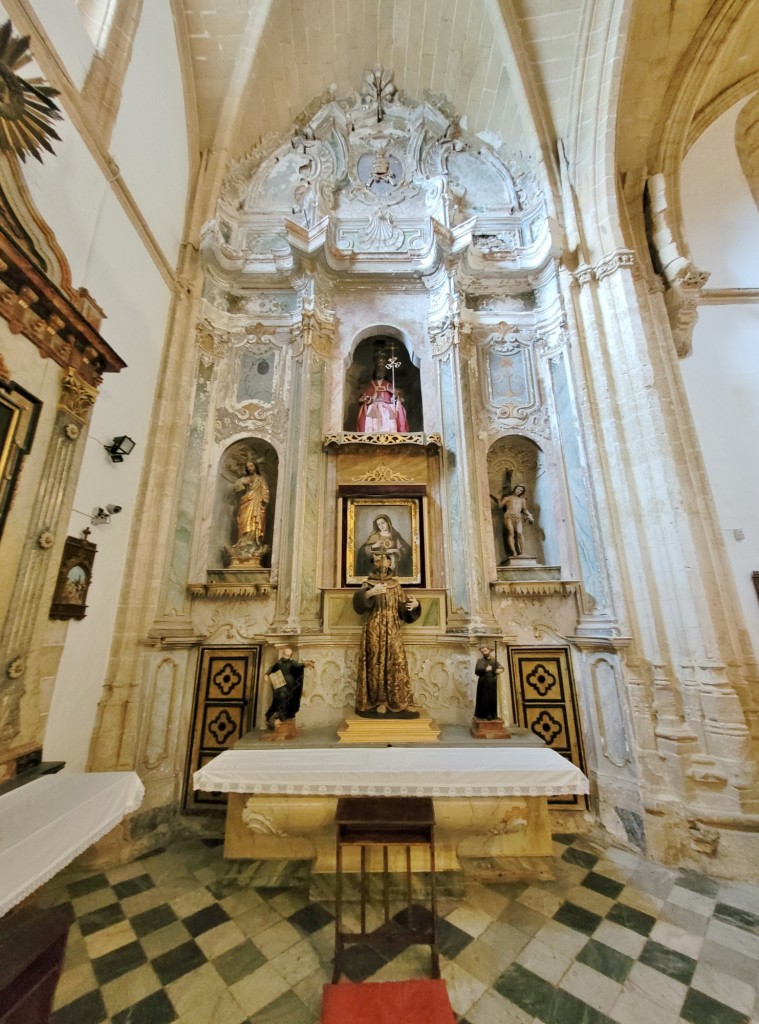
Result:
x=119 y=448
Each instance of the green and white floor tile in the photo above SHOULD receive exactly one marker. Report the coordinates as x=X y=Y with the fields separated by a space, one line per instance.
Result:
x=181 y=935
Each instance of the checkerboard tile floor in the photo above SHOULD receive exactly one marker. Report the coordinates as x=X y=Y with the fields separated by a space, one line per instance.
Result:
x=181 y=935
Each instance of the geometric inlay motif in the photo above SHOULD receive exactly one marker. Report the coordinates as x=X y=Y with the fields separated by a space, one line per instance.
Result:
x=227 y=679
x=541 y=680
x=222 y=726
x=546 y=727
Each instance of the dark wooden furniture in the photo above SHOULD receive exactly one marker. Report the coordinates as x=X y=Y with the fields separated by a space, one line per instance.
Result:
x=383 y=822
x=32 y=946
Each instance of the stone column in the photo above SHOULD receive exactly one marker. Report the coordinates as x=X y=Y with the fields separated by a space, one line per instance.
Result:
x=689 y=671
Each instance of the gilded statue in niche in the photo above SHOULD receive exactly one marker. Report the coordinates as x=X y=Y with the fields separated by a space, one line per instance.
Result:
x=252 y=493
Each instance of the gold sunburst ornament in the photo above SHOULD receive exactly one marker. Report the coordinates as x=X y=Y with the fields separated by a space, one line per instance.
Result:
x=27 y=109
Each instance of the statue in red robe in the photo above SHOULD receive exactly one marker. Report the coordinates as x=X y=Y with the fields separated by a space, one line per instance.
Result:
x=381 y=409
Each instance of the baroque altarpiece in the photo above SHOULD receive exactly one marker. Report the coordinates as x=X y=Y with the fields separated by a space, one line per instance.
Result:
x=382 y=236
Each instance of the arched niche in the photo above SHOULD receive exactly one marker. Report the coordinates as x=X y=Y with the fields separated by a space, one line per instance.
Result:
x=370 y=344
x=513 y=460
x=230 y=486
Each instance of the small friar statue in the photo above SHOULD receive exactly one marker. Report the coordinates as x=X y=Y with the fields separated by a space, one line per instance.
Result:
x=286 y=678
x=486 y=723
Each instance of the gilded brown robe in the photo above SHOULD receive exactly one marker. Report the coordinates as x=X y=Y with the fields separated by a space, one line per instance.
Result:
x=383 y=677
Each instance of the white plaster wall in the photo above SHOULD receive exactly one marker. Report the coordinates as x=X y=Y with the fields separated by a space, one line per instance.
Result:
x=149 y=140
x=722 y=375
x=108 y=257
x=62 y=23
x=720 y=215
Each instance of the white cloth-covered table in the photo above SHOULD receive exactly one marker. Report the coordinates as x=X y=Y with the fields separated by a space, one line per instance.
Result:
x=45 y=824
x=393 y=771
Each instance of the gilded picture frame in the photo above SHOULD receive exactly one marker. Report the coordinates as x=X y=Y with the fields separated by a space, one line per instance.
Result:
x=19 y=413
x=390 y=525
x=74 y=578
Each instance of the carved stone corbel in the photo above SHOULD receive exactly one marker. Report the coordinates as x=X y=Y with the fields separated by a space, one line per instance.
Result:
x=683 y=283
x=681 y=299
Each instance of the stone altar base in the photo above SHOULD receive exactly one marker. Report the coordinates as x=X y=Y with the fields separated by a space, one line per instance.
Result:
x=292 y=827
x=389 y=731
x=494 y=729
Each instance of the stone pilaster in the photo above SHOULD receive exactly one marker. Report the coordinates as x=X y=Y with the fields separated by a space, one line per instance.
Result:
x=175 y=599
x=470 y=610
x=302 y=506
x=687 y=670
x=34 y=584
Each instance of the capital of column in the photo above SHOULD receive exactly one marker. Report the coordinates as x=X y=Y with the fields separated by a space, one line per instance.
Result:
x=610 y=263
x=77 y=399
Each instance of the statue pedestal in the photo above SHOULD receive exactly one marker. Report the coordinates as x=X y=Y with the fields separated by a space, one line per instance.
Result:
x=389 y=731
x=281 y=731
x=489 y=730
x=520 y=562
x=515 y=572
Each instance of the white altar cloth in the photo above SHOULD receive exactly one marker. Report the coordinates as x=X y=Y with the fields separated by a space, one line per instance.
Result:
x=45 y=824
x=393 y=771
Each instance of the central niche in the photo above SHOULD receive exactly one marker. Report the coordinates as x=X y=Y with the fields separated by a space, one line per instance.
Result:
x=382 y=353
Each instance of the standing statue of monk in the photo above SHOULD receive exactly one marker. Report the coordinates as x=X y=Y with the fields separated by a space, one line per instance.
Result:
x=384 y=685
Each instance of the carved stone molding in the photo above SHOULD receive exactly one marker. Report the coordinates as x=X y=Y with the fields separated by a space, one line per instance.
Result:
x=682 y=299
x=354 y=191
x=77 y=397
x=534 y=588
x=381 y=475
x=683 y=282
x=225 y=590
x=345 y=440
x=33 y=306
x=618 y=259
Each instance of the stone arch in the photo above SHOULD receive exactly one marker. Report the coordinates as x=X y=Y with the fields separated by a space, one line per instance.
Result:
x=720 y=26
x=747 y=144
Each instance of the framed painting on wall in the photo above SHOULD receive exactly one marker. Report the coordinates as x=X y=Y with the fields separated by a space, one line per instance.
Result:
x=19 y=413
x=388 y=525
